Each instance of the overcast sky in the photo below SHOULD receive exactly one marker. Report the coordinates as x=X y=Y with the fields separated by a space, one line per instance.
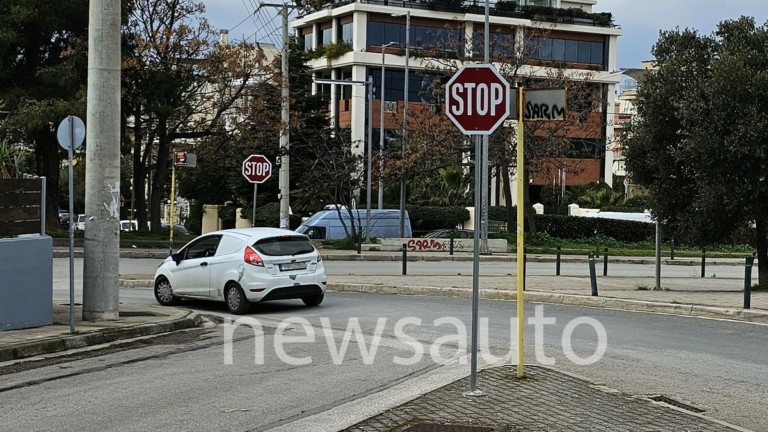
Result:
x=640 y=20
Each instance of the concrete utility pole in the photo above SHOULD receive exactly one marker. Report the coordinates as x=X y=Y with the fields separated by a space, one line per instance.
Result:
x=101 y=265
x=284 y=180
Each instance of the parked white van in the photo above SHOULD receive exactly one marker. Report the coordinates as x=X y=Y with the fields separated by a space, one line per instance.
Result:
x=327 y=225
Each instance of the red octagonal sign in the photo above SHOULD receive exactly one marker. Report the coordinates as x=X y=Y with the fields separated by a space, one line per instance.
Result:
x=477 y=99
x=257 y=168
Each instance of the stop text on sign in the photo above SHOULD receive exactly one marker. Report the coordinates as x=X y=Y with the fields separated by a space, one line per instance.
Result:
x=481 y=99
x=257 y=169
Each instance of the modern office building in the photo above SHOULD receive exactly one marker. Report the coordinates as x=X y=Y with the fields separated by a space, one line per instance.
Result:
x=355 y=38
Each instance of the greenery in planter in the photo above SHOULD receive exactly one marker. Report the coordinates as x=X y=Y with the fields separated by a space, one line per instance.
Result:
x=507 y=6
x=424 y=218
x=330 y=51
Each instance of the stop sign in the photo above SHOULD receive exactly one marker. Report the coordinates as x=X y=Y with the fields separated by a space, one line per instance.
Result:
x=477 y=99
x=257 y=168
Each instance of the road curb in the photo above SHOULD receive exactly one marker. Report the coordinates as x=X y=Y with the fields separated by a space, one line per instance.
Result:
x=97 y=337
x=699 y=311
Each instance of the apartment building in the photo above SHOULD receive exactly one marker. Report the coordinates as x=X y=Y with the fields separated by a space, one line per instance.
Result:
x=358 y=37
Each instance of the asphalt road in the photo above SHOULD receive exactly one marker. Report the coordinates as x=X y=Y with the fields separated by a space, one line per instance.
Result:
x=718 y=366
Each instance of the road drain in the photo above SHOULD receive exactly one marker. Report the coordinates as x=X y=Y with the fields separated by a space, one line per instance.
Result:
x=434 y=427
x=674 y=403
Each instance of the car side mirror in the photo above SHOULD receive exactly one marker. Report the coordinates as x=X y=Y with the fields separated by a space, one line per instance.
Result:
x=176 y=258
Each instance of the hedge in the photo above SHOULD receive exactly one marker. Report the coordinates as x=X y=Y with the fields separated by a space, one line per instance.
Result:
x=573 y=227
x=425 y=218
x=268 y=215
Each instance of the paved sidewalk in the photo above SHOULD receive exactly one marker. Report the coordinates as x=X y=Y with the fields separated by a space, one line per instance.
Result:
x=545 y=400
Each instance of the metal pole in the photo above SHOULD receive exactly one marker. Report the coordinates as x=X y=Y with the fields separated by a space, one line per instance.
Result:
x=605 y=261
x=592 y=275
x=71 y=187
x=285 y=185
x=703 y=261
x=381 y=130
x=405 y=259
x=658 y=255
x=484 y=173
x=173 y=202
x=405 y=120
x=672 y=249
x=369 y=149
x=557 y=262
x=473 y=391
x=748 y=282
x=255 y=194
x=101 y=263
x=520 y=233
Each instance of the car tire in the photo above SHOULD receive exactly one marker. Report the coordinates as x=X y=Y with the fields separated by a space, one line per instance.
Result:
x=164 y=292
x=235 y=299
x=313 y=300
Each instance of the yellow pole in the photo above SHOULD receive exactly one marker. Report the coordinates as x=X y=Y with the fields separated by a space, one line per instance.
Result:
x=520 y=233
x=173 y=199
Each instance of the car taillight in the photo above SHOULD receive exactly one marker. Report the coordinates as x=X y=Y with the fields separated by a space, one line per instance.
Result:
x=251 y=257
x=319 y=258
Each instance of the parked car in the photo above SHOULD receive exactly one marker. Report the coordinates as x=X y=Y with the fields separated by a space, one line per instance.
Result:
x=243 y=265
x=326 y=224
x=80 y=222
x=446 y=233
x=64 y=219
x=129 y=225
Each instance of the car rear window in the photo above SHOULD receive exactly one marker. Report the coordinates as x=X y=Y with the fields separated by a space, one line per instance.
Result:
x=284 y=245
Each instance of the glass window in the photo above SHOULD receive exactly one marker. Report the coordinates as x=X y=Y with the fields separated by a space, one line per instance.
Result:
x=375 y=33
x=545 y=50
x=308 y=42
x=284 y=245
x=597 y=53
x=327 y=36
x=346 y=33
x=202 y=248
x=558 y=49
x=571 y=51
x=585 y=51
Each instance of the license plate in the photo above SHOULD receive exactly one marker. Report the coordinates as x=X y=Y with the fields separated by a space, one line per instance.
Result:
x=293 y=266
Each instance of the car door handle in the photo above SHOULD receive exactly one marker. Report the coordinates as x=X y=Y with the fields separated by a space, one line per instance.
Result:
x=203 y=264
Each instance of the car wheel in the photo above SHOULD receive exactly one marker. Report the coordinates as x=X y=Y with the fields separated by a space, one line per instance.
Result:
x=313 y=300
x=235 y=299
x=164 y=293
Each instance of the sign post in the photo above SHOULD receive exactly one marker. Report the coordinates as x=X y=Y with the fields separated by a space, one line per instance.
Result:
x=70 y=134
x=477 y=100
x=256 y=169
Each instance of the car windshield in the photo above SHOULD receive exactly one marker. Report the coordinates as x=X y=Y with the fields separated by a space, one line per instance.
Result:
x=284 y=245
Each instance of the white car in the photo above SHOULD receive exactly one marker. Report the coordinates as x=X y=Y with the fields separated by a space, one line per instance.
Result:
x=241 y=266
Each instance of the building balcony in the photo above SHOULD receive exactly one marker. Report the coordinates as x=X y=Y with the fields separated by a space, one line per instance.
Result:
x=501 y=8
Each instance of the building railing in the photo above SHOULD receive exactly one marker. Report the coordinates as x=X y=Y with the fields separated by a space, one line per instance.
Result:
x=508 y=9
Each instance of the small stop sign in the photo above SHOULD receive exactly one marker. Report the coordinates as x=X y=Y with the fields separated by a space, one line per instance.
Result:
x=257 y=168
x=477 y=99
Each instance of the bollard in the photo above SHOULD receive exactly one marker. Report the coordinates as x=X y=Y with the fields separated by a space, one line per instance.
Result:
x=703 y=262
x=557 y=262
x=450 y=247
x=525 y=265
x=592 y=276
x=672 y=249
x=748 y=282
x=605 y=262
x=359 y=243
x=405 y=259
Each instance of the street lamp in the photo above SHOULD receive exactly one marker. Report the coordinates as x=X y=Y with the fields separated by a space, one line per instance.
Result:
x=381 y=129
x=369 y=146
x=405 y=118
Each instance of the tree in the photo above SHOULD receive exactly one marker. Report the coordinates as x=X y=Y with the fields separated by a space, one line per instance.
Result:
x=699 y=142
x=43 y=72
x=181 y=86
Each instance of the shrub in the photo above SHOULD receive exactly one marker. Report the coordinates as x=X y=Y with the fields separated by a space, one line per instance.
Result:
x=268 y=215
x=573 y=227
x=425 y=218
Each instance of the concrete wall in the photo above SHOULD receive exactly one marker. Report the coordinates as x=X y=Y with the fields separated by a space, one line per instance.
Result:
x=438 y=245
x=26 y=282
x=211 y=221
